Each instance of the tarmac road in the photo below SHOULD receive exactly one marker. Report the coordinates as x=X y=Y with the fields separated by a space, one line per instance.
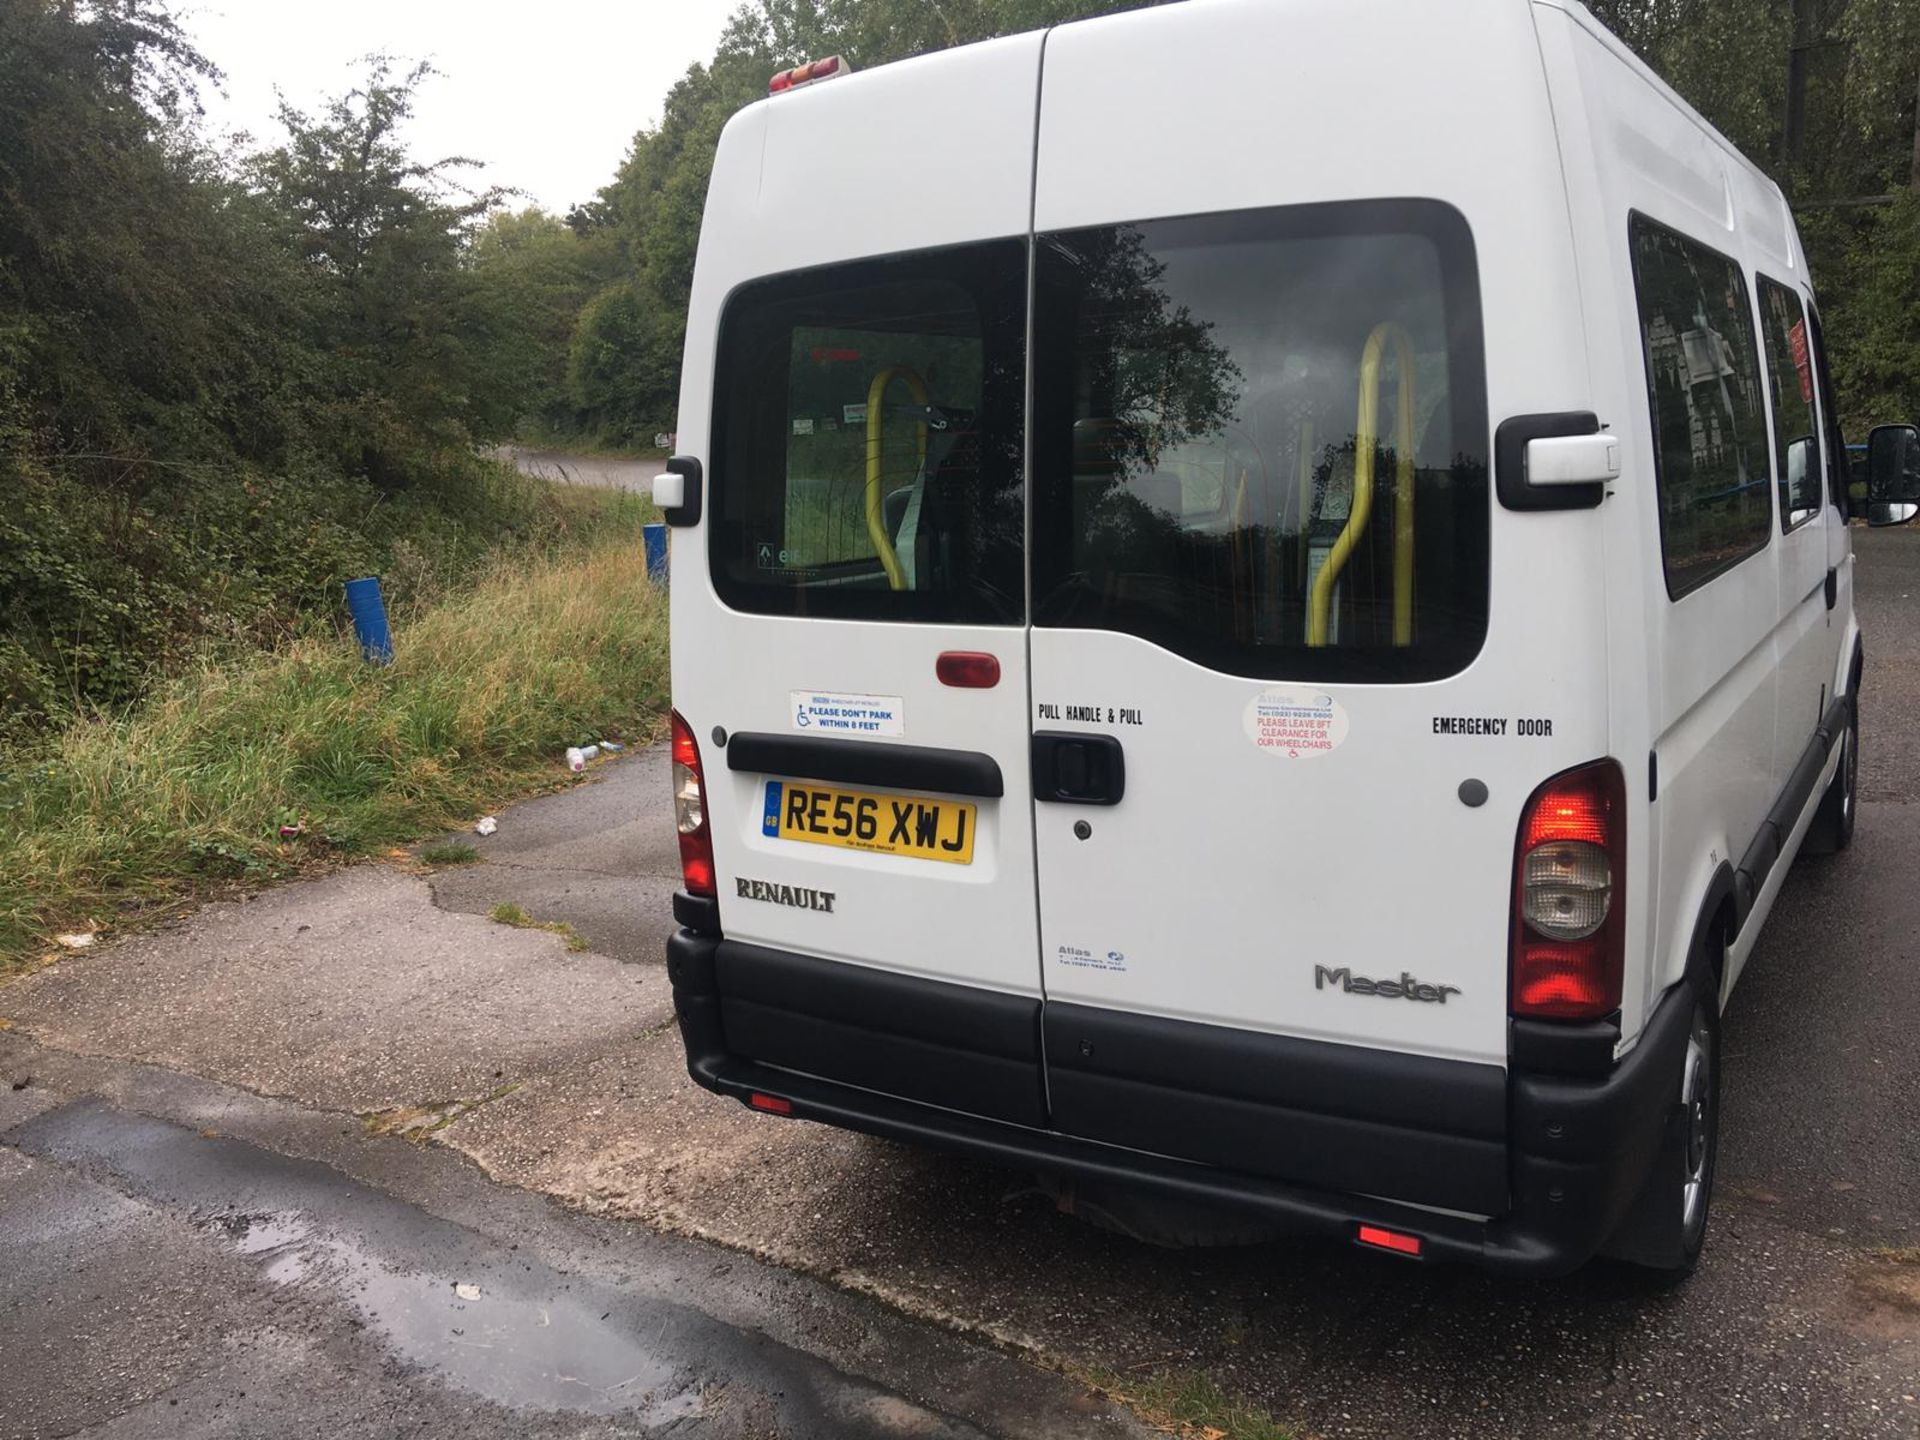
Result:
x=605 y=471
x=777 y=1274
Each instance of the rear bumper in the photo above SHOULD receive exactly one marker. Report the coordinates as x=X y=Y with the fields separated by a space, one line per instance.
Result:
x=1571 y=1154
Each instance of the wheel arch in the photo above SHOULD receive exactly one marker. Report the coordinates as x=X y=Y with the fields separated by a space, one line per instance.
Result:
x=1717 y=916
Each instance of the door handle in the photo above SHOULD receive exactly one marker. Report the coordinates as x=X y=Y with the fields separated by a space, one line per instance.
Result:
x=1075 y=769
x=1833 y=587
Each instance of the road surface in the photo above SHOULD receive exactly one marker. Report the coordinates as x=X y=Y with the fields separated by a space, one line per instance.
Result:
x=606 y=471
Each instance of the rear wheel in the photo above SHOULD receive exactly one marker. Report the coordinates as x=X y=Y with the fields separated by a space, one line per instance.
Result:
x=1832 y=828
x=1666 y=1229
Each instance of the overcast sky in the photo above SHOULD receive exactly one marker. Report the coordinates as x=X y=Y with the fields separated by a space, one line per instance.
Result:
x=547 y=94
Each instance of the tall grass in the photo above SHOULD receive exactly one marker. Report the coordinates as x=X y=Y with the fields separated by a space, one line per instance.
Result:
x=190 y=789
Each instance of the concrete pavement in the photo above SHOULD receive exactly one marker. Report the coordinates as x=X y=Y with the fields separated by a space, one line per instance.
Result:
x=559 y=1074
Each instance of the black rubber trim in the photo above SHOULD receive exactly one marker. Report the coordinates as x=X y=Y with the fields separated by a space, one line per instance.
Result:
x=1356 y=1081
x=688 y=511
x=1763 y=852
x=867 y=762
x=1338 y=1117
x=1511 y=484
x=1560 y=1047
x=1722 y=889
x=1582 y=1147
x=953 y=1045
x=697 y=912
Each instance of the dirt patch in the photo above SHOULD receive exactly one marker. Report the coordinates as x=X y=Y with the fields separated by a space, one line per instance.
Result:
x=1885 y=1299
x=417 y=1122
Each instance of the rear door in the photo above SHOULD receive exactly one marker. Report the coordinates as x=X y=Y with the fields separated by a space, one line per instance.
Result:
x=1282 y=737
x=863 y=277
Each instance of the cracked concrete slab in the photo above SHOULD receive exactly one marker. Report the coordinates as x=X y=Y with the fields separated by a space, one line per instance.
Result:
x=352 y=992
x=595 y=856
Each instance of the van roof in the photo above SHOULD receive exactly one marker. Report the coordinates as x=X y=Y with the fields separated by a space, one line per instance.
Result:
x=1574 y=9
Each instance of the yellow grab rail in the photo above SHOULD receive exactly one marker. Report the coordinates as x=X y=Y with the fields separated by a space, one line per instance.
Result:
x=1366 y=437
x=876 y=502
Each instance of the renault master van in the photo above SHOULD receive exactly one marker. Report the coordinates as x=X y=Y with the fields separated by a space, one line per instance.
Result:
x=1261 y=601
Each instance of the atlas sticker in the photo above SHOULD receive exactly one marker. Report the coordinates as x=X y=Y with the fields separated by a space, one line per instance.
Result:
x=823 y=712
x=1083 y=959
x=1295 y=724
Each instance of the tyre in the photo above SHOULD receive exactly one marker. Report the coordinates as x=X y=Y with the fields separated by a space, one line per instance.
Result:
x=1832 y=828
x=1666 y=1229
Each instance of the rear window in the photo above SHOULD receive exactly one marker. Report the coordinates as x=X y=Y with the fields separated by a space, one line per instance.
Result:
x=1703 y=383
x=867 y=439
x=1260 y=439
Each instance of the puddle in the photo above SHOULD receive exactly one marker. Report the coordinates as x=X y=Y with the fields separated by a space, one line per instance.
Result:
x=540 y=1351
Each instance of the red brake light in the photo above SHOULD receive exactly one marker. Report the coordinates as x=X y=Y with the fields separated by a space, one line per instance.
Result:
x=772 y=1104
x=1569 y=891
x=968 y=669
x=802 y=74
x=690 y=812
x=1389 y=1240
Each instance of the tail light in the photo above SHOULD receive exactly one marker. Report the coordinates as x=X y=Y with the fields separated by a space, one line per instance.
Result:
x=967 y=669
x=690 y=812
x=1569 y=894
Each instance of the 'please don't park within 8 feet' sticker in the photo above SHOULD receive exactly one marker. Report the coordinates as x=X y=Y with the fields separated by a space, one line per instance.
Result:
x=1295 y=724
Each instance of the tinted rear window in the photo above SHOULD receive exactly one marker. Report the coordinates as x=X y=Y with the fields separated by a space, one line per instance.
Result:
x=1260 y=439
x=867 y=439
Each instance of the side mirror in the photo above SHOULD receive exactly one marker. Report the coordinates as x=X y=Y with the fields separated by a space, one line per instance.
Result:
x=1893 y=474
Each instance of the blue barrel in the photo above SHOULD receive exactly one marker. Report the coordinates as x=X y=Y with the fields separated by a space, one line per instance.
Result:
x=656 y=537
x=370 y=619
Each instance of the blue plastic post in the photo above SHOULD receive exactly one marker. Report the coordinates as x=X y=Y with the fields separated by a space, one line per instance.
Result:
x=656 y=538
x=370 y=619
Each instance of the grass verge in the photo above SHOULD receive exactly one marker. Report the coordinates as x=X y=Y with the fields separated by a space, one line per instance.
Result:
x=189 y=792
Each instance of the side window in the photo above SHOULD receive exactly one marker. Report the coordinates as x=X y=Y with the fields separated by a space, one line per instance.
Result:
x=1796 y=443
x=867 y=440
x=1703 y=382
x=1840 y=475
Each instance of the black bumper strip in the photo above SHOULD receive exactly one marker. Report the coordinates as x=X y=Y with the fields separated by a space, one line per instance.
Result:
x=1763 y=853
x=923 y=1039
x=1340 y=1117
x=1567 y=1198
x=867 y=762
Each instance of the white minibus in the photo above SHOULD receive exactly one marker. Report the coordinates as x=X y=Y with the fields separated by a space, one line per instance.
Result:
x=1261 y=601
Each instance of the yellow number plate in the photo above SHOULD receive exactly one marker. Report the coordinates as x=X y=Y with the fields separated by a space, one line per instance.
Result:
x=884 y=824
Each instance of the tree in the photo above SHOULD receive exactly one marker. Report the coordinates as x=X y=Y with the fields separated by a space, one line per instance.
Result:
x=534 y=275
x=384 y=237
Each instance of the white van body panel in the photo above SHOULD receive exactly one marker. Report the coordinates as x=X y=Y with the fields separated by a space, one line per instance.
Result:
x=1228 y=874
x=1740 y=671
x=780 y=201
